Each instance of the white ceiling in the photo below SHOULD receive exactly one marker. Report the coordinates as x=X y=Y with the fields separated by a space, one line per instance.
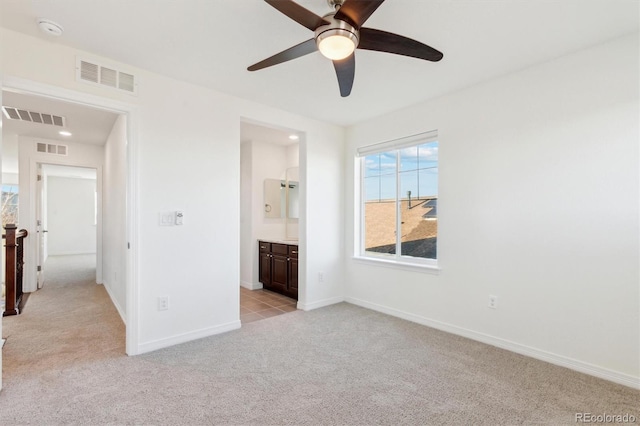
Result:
x=211 y=43
x=260 y=133
x=87 y=125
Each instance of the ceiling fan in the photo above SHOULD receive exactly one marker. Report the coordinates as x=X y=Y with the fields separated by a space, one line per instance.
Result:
x=337 y=34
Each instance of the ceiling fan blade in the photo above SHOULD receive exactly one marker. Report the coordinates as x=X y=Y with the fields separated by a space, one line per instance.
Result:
x=298 y=13
x=294 y=52
x=356 y=12
x=345 y=70
x=383 y=41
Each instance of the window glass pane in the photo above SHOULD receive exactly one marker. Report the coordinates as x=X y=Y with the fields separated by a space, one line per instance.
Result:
x=380 y=203
x=427 y=183
x=372 y=188
x=409 y=158
x=372 y=165
x=409 y=185
x=380 y=226
x=388 y=187
x=419 y=224
x=418 y=233
x=428 y=155
x=9 y=204
x=388 y=163
x=380 y=164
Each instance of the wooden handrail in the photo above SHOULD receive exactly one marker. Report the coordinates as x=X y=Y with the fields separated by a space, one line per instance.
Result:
x=20 y=234
x=13 y=268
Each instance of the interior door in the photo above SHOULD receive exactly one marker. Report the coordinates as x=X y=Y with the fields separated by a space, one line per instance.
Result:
x=40 y=231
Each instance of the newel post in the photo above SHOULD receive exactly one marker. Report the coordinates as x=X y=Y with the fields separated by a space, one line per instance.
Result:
x=10 y=271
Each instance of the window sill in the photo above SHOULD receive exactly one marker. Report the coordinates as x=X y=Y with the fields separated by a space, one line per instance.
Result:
x=395 y=264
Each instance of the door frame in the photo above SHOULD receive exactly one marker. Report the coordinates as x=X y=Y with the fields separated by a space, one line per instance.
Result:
x=35 y=168
x=20 y=85
x=39 y=226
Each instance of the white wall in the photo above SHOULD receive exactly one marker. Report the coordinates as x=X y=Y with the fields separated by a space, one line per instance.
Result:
x=246 y=217
x=538 y=205
x=78 y=154
x=188 y=158
x=71 y=216
x=10 y=178
x=10 y=157
x=114 y=215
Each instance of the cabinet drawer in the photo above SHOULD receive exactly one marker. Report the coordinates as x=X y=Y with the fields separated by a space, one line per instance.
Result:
x=293 y=251
x=279 y=249
x=264 y=247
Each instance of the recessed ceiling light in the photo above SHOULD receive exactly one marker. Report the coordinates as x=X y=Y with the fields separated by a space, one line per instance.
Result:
x=294 y=137
x=64 y=133
x=50 y=27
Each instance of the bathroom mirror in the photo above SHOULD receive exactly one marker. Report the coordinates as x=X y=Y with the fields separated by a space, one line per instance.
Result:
x=275 y=198
x=293 y=192
x=281 y=197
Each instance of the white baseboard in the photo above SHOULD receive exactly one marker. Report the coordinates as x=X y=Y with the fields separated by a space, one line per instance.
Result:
x=319 y=303
x=570 y=363
x=250 y=286
x=71 y=253
x=115 y=302
x=187 y=337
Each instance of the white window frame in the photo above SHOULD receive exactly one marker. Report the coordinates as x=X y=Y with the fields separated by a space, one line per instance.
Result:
x=389 y=260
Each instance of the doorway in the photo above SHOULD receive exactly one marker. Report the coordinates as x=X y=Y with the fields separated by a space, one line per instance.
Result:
x=91 y=138
x=269 y=181
x=67 y=220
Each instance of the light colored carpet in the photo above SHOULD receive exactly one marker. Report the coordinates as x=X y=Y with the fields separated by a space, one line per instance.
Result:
x=337 y=365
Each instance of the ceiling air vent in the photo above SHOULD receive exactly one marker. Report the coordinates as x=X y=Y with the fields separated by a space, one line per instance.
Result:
x=19 y=114
x=49 y=148
x=91 y=72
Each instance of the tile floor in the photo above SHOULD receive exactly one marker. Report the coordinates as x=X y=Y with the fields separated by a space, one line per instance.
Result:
x=260 y=304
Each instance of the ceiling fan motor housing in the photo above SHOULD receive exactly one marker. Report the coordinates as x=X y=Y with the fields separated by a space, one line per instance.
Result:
x=336 y=27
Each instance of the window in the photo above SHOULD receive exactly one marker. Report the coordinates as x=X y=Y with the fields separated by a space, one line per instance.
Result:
x=9 y=204
x=399 y=199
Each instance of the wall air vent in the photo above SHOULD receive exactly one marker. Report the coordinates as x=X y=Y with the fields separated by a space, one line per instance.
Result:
x=49 y=148
x=13 y=113
x=92 y=72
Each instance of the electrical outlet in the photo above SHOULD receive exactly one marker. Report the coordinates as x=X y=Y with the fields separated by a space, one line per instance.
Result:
x=493 y=302
x=163 y=303
x=320 y=277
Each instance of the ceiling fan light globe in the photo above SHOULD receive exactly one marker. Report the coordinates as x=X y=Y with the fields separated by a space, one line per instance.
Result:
x=337 y=44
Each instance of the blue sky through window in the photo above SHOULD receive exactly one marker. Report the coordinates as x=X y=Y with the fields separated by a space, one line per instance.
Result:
x=418 y=173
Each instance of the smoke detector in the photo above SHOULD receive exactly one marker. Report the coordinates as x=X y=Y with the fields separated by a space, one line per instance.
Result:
x=50 y=27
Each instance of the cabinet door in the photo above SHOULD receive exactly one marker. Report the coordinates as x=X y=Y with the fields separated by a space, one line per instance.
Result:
x=279 y=272
x=293 y=277
x=265 y=269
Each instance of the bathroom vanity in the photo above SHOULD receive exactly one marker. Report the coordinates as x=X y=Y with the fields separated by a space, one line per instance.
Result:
x=278 y=267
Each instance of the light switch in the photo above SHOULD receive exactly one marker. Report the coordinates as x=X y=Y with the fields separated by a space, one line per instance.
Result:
x=166 y=219
x=179 y=216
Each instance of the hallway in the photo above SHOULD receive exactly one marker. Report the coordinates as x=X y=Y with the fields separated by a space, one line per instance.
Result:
x=70 y=320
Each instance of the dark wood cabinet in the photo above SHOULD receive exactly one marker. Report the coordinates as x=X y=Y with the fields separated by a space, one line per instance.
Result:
x=293 y=269
x=278 y=268
x=265 y=263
